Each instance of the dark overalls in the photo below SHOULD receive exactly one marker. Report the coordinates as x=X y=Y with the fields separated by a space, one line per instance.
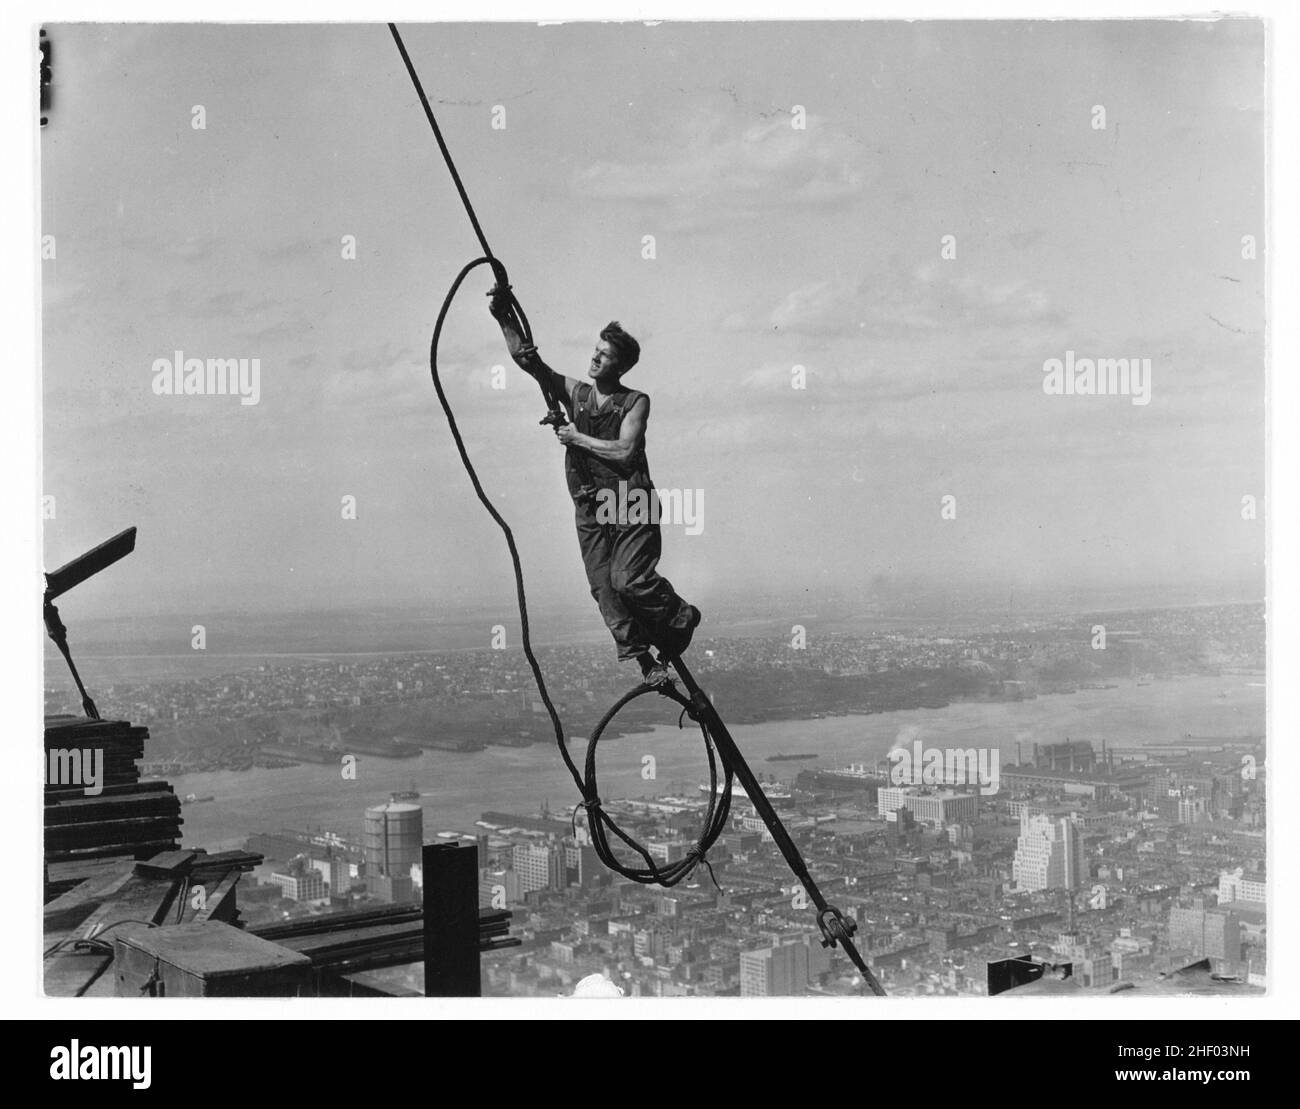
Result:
x=637 y=604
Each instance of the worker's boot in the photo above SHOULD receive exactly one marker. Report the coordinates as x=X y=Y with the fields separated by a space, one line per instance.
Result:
x=676 y=640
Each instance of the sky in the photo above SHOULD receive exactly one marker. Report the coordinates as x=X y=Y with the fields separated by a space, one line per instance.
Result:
x=775 y=246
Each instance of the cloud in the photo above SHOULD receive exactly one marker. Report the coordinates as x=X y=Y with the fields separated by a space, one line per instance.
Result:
x=380 y=356
x=928 y=299
x=1024 y=239
x=736 y=170
x=222 y=304
x=192 y=250
x=293 y=249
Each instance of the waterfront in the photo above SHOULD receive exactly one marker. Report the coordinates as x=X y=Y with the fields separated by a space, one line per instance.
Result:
x=456 y=788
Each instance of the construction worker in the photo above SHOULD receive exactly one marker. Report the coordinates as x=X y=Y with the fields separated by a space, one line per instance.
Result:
x=604 y=461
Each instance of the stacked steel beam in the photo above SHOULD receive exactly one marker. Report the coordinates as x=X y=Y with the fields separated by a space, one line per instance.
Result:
x=368 y=939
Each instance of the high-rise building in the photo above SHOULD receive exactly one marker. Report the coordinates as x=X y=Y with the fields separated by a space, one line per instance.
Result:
x=667 y=851
x=1093 y=966
x=779 y=971
x=498 y=888
x=1130 y=954
x=340 y=874
x=889 y=799
x=649 y=943
x=393 y=888
x=299 y=881
x=530 y=861
x=1236 y=885
x=1050 y=854
x=899 y=827
x=582 y=865
x=935 y=807
x=540 y=866
x=1206 y=933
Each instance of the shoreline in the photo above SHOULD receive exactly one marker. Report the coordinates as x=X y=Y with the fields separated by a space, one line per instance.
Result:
x=456 y=788
x=278 y=755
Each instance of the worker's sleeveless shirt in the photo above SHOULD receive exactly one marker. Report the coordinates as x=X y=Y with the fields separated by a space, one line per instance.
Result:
x=585 y=472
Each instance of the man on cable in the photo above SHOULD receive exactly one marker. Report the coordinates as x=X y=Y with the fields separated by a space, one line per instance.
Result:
x=605 y=447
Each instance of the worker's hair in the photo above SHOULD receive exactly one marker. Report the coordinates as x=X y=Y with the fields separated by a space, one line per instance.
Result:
x=626 y=349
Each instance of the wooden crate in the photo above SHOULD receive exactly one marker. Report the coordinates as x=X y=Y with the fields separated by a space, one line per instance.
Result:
x=209 y=959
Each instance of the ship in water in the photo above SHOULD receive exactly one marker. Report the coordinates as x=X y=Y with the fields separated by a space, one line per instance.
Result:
x=381 y=748
x=451 y=743
x=194 y=799
x=774 y=791
x=792 y=758
x=854 y=778
x=861 y=772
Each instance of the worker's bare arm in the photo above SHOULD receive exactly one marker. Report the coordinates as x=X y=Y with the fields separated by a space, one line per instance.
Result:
x=630 y=441
x=525 y=355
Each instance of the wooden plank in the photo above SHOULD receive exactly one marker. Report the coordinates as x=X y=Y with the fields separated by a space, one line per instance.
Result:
x=68 y=974
x=244 y=860
x=112 y=850
x=78 y=870
x=108 y=831
x=139 y=841
x=144 y=900
x=81 y=809
x=91 y=738
x=166 y=864
x=58 y=794
x=220 y=900
x=72 y=908
x=83 y=725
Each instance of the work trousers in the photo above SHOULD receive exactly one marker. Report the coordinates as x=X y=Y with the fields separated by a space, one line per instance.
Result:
x=638 y=604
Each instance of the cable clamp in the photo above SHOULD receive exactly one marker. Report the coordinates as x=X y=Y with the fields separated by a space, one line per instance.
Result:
x=697 y=855
x=835 y=927
x=590 y=804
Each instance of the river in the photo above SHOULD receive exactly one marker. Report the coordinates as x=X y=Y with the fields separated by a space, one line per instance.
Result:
x=456 y=788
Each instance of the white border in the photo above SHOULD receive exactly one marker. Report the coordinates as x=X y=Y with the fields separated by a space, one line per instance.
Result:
x=20 y=700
